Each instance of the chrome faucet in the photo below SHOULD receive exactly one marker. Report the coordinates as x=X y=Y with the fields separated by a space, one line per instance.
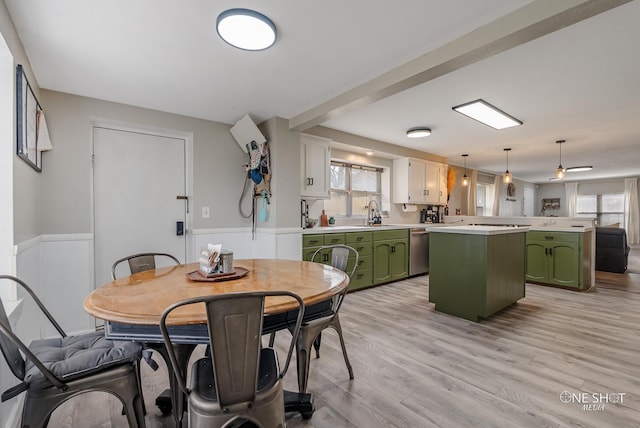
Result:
x=371 y=218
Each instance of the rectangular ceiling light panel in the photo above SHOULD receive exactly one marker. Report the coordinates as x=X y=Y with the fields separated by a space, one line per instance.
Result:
x=484 y=112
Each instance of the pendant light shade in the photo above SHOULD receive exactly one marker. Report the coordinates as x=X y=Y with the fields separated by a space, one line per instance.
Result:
x=560 y=169
x=465 y=179
x=507 y=177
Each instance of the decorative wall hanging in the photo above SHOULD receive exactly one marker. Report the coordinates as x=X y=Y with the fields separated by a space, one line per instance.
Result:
x=28 y=113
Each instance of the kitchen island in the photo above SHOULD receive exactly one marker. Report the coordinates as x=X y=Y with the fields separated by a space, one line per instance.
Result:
x=475 y=271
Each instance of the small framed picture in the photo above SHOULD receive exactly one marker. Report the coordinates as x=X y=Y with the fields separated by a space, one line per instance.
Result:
x=29 y=114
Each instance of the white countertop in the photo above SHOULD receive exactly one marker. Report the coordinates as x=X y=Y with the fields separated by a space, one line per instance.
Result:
x=479 y=230
x=338 y=229
x=560 y=229
x=439 y=226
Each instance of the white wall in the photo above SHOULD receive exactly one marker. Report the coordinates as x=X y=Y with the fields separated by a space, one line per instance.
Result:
x=556 y=190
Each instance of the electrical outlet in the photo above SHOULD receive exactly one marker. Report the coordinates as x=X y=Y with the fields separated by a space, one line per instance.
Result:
x=205 y=212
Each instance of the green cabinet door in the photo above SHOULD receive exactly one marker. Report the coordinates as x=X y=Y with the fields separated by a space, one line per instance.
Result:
x=564 y=266
x=390 y=260
x=536 y=261
x=554 y=258
x=399 y=260
x=382 y=261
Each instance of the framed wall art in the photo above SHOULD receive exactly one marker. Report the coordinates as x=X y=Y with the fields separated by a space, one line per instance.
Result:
x=29 y=114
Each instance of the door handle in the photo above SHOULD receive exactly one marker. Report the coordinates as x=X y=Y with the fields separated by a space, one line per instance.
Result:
x=184 y=198
x=179 y=228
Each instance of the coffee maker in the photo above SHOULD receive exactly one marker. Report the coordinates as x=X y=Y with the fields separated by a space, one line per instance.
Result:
x=432 y=214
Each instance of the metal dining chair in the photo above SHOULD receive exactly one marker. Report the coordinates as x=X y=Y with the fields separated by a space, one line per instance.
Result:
x=141 y=262
x=56 y=369
x=238 y=380
x=338 y=256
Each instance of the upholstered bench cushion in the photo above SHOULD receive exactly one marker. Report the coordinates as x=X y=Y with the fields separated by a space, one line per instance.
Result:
x=74 y=356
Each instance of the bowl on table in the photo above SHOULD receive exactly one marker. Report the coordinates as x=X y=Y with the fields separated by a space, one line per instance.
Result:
x=311 y=222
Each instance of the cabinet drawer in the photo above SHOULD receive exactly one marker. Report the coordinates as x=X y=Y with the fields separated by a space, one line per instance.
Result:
x=382 y=235
x=334 y=238
x=308 y=252
x=364 y=262
x=356 y=237
x=363 y=249
x=314 y=240
x=537 y=235
x=362 y=278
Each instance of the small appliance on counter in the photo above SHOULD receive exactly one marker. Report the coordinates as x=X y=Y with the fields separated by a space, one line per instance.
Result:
x=432 y=214
x=423 y=216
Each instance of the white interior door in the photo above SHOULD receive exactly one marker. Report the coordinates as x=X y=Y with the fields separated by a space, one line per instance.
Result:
x=528 y=202
x=137 y=178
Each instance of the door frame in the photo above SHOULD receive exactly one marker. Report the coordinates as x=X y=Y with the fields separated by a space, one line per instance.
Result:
x=156 y=131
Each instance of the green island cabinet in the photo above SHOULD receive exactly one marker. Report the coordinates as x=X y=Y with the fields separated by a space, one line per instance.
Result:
x=474 y=275
x=558 y=258
x=383 y=256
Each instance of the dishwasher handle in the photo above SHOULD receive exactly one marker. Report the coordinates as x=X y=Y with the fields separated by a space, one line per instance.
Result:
x=418 y=233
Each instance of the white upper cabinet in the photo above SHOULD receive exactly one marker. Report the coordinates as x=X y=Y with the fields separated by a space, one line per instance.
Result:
x=417 y=181
x=436 y=183
x=315 y=166
x=409 y=181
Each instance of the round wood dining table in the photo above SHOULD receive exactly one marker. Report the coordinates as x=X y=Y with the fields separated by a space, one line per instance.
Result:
x=141 y=298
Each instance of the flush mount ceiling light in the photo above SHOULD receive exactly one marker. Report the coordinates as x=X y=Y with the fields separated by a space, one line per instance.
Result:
x=484 y=112
x=507 y=177
x=465 y=179
x=418 y=132
x=579 y=168
x=560 y=169
x=246 y=29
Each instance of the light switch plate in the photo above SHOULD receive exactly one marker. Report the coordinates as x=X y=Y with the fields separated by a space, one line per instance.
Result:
x=205 y=212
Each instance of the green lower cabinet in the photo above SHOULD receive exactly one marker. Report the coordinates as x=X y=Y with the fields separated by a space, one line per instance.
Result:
x=554 y=259
x=383 y=255
x=390 y=260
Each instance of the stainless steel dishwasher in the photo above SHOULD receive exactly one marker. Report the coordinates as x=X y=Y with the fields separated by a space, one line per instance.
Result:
x=418 y=251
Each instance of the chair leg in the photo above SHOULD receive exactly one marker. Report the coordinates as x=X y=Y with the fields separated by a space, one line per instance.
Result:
x=134 y=405
x=336 y=326
x=272 y=339
x=303 y=358
x=316 y=344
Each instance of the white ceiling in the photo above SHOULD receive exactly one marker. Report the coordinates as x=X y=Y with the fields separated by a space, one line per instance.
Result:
x=370 y=68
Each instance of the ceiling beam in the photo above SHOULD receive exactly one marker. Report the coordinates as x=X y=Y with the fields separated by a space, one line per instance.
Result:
x=534 y=20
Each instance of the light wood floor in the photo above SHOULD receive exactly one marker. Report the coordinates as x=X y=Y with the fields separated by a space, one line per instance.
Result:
x=415 y=367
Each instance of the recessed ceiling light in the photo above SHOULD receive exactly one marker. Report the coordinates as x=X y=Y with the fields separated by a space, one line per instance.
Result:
x=484 y=112
x=370 y=152
x=246 y=29
x=418 y=132
x=578 y=168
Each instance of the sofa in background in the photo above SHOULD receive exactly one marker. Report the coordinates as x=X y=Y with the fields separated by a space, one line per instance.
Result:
x=612 y=250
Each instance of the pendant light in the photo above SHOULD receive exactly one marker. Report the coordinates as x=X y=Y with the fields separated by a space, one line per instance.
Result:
x=507 y=177
x=560 y=169
x=465 y=179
